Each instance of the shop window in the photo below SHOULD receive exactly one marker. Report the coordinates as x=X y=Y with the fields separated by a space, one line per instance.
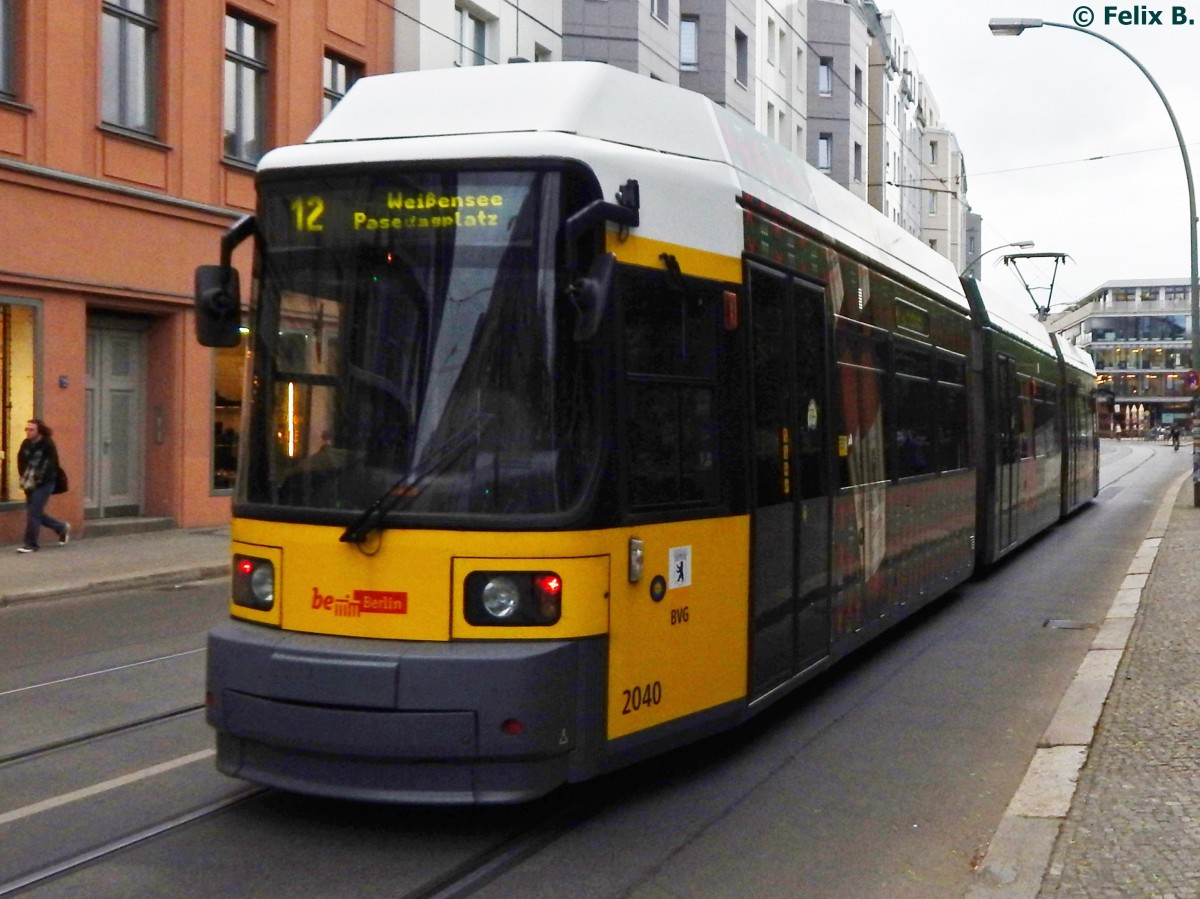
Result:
x=17 y=379
x=229 y=367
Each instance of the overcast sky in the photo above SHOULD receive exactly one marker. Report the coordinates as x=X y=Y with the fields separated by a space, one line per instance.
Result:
x=1031 y=113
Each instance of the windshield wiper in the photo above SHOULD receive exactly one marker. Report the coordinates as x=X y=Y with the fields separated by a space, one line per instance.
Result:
x=409 y=485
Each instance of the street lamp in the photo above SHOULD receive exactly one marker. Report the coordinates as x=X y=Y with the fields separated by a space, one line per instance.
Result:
x=1023 y=244
x=1013 y=27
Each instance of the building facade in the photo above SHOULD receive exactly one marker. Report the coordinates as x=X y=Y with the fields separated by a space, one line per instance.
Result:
x=1139 y=334
x=437 y=34
x=129 y=132
x=838 y=114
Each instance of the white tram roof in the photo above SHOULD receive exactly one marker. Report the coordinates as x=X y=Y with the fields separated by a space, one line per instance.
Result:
x=1075 y=357
x=605 y=103
x=1009 y=316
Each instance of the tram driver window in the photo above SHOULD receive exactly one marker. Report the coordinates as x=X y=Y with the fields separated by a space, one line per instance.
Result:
x=670 y=330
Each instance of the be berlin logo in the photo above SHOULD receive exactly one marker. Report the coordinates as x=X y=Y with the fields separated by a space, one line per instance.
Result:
x=1085 y=16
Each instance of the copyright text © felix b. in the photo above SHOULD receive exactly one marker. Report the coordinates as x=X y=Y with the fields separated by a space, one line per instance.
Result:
x=1086 y=16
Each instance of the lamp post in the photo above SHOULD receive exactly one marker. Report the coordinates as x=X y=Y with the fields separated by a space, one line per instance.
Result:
x=1023 y=244
x=1013 y=27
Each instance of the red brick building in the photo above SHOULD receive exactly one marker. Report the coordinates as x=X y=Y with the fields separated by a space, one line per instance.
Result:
x=129 y=131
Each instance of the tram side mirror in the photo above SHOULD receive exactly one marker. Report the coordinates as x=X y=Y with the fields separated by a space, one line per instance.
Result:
x=218 y=306
x=590 y=294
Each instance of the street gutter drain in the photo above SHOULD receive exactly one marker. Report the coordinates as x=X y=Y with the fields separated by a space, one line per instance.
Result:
x=1066 y=624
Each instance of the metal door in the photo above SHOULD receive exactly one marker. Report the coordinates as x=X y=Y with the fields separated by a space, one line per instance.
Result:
x=115 y=361
x=790 y=519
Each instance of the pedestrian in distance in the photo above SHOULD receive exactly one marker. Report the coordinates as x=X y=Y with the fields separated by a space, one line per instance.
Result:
x=37 y=465
x=1175 y=437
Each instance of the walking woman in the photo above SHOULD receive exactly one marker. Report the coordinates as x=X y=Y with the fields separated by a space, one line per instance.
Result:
x=37 y=464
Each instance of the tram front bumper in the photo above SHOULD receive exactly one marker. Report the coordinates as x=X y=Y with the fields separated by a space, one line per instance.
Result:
x=458 y=722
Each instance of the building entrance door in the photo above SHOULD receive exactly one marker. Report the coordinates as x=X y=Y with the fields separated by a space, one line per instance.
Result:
x=115 y=363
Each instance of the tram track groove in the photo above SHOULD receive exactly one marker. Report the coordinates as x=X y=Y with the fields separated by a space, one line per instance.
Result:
x=98 y=853
x=80 y=739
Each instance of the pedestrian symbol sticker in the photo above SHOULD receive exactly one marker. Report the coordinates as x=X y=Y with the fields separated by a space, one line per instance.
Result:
x=680 y=567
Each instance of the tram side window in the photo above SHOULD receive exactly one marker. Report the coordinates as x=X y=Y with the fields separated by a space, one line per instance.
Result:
x=863 y=449
x=951 y=411
x=913 y=412
x=671 y=364
x=1045 y=419
x=1025 y=417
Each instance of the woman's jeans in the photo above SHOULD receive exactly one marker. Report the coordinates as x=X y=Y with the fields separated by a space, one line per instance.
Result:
x=35 y=514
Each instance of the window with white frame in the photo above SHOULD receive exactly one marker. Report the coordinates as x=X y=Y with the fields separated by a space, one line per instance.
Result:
x=245 y=89
x=128 y=41
x=770 y=41
x=339 y=75
x=689 y=43
x=858 y=162
x=858 y=86
x=658 y=9
x=8 y=51
x=472 y=38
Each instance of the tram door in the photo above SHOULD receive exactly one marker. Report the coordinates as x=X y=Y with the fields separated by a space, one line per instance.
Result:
x=1008 y=455
x=790 y=519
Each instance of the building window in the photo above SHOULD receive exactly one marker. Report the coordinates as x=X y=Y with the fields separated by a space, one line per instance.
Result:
x=542 y=54
x=770 y=41
x=741 y=48
x=933 y=151
x=229 y=369
x=825 y=151
x=689 y=44
x=129 y=35
x=472 y=39
x=931 y=203
x=825 y=77
x=8 y=51
x=339 y=76
x=17 y=379
x=245 y=89
x=858 y=162
x=858 y=86
x=658 y=9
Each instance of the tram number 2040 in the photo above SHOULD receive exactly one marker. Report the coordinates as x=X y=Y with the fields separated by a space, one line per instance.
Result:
x=642 y=697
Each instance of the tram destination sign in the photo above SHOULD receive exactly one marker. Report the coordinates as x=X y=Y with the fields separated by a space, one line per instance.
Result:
x=479 y=210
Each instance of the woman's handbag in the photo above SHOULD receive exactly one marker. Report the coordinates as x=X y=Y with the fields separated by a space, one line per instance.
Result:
x=61 y=485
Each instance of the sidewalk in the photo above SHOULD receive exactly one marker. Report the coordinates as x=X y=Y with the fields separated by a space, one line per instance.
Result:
x=1110 y=805
x=109 y=563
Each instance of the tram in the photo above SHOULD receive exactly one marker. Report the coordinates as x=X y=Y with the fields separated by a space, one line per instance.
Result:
x=582 y=421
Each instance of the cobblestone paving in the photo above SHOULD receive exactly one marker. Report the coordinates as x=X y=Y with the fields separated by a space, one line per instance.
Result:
x=1134 y=826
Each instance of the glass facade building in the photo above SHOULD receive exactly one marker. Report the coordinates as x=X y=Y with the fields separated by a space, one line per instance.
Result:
x=1139 y=334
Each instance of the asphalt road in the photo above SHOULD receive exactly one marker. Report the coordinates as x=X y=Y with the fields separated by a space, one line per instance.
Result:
x=885 y=778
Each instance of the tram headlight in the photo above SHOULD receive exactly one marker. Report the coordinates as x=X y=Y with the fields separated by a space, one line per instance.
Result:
x=253 y=582
x=500 y=597
x=513 y=598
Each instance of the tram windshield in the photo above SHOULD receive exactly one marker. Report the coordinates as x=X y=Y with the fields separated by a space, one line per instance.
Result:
x=412 y=343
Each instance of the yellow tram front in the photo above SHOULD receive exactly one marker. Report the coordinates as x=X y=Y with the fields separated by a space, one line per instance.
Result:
x=454 y=578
